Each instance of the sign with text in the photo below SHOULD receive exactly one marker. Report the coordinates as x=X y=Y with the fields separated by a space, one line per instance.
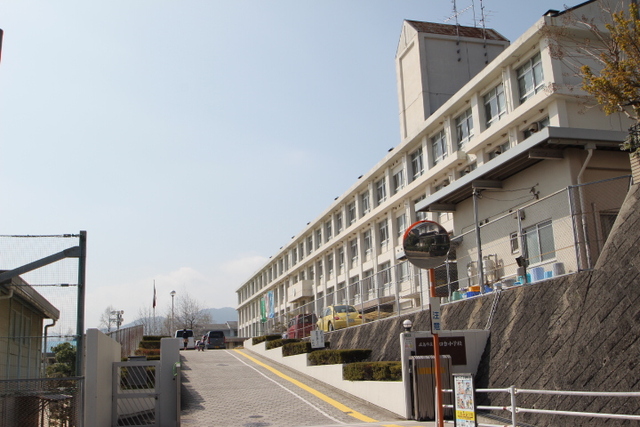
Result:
x=317 y=338
x=464 y=405
x=453 y=346
x=434 y=308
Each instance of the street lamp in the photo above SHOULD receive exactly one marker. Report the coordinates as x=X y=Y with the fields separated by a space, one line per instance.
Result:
x=118 y=319
x=173 y=294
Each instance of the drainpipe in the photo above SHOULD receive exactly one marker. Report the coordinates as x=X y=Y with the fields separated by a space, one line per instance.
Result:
x=7 y=296
x=44 y=350
x=589 y=147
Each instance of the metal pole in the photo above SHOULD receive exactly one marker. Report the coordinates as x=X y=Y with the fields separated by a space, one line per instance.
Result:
x=478 y=241
x=436 y=355
x=82 y=265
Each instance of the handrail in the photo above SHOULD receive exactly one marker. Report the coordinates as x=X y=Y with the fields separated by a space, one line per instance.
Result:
x=514 y=409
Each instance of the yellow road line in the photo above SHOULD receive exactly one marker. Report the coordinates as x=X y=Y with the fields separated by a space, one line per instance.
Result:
x=315 y=392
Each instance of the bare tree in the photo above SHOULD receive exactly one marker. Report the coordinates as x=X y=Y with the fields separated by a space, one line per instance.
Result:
x=189 y=313
x=106 y=319
x=603 y=53
x=152 y=324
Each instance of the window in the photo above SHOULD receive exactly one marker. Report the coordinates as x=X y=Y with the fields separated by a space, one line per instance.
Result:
x=530 y=78
x=515 y=245
x=330 y=266
x=381 y=191
x=439 y=147
x=351 y=212
x=501 y=149
x=494 y=105
x=539 y=242
x=301 y=250
x=341 y=260
x=309 y=244
x=383 y=231
x=384 y=274
x=339 y=223
x=464 y=128
x=310 y=273
x=353 y=249
x=403 y=272
x=420 y=215
x=319 y=270
x=364 y=203
x=327 y=230
x=398 y=180
x=302 y=276
x=417 y=166
x=294 y=256
x=401 y=224
x=318 y=237
x=367 y=242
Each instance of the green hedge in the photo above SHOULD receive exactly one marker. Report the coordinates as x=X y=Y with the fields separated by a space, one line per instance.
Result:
x=149 y=344
x=333 y=357
x=301 y=347
x=153 y=337
x=372 y=371
x=258 y=340
x=279 y=343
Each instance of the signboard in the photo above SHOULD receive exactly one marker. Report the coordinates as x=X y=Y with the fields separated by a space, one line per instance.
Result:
x=453 y=346
x=464 y=405
x=317 y=338
x=434 y=308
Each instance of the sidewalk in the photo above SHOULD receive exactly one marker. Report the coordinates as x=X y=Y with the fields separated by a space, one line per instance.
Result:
x=227 y=388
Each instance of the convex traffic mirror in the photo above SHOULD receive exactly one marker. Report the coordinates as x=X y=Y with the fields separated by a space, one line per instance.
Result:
x=426 y=244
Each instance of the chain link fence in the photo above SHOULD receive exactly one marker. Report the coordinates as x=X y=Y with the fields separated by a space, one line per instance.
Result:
x=562 y=233
x=41 y=278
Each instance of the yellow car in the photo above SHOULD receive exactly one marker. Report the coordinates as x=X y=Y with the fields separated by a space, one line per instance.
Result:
x=338 y=317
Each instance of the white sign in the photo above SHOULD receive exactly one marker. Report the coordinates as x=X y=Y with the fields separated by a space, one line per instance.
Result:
x=317 y=339
x=436 y=318
x=465 y=406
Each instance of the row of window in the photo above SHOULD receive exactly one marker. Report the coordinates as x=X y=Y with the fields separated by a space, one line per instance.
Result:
x=530 y=81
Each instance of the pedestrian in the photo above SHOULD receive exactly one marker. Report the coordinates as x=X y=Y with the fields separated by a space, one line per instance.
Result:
x=185 y=338
x=202 y=343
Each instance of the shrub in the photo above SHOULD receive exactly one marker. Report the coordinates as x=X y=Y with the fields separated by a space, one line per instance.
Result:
x=373 y=371
x=149 y=344
x=279 y=343
x=293 y=348
x=258 y=340
x=332 y=357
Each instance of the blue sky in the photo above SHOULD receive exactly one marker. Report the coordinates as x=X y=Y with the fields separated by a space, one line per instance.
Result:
x=191 y=140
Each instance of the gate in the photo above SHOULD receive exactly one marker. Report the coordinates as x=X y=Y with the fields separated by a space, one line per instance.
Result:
x=136 y=393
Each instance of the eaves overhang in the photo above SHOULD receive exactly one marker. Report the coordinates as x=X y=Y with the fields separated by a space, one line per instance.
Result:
x=545 y=144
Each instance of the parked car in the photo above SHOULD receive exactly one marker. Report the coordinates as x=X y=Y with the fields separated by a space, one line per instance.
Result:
x=301 y=325
x=191 y=343
x=215 y=339
x=338 y=317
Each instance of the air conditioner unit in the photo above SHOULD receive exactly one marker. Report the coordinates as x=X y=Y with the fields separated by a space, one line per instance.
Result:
x=535 y=127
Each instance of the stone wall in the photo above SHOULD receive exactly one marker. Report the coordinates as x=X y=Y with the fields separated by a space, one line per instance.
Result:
x=577 y=332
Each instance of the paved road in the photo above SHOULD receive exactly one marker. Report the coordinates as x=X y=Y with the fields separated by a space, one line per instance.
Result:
x=237 y=388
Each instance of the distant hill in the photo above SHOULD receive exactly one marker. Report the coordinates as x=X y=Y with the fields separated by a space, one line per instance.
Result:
x=222 y=315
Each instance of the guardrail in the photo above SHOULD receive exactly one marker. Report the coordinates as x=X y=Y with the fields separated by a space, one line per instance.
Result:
x=513 y=409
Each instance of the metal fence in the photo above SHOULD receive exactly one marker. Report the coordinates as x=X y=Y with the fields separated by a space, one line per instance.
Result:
x=128 y=338
x=559 y=234
x=41 y=328
x=42 y=402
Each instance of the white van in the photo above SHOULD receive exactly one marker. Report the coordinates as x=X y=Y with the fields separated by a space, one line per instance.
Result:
x=191 y=343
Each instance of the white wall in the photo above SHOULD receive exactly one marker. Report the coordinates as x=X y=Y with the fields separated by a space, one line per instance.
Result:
x=100 y=354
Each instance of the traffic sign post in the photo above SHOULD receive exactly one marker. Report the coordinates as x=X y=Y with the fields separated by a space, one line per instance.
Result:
x=426 y=245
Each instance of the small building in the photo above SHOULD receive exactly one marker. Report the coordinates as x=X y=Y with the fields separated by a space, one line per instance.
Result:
x=22 y=314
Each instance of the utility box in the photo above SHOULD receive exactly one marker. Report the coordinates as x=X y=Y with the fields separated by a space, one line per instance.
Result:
x=424 y=386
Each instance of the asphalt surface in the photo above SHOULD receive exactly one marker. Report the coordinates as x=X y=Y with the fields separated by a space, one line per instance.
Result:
x=237 y=388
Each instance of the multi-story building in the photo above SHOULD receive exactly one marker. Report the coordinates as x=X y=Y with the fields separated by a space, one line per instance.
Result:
x=491 y=133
